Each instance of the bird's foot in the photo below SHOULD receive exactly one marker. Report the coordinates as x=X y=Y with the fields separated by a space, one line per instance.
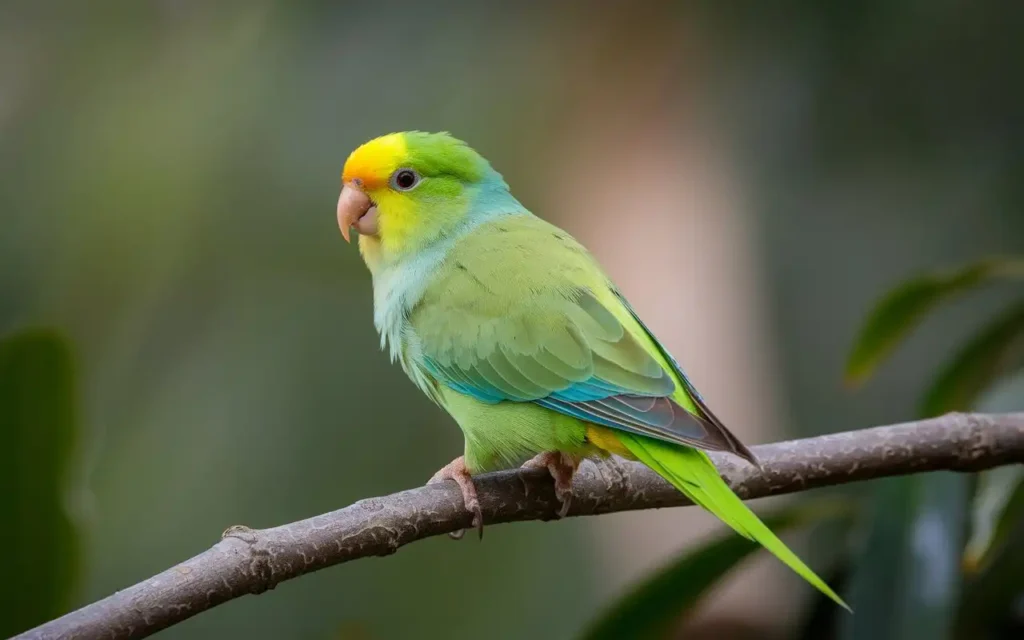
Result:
x=562 y=468
x=456 y=470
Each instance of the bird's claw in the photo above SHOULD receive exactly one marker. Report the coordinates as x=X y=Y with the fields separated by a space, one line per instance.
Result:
x=456 y=470
x=562 y=468
x=473 y=506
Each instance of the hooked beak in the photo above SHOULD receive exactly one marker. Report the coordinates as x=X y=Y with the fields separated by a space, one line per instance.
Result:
x=355 y=209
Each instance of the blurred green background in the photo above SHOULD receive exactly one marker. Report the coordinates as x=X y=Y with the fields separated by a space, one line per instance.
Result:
x=754 y=176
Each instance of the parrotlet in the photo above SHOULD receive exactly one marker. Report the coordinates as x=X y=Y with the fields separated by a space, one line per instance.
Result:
x=511 y=326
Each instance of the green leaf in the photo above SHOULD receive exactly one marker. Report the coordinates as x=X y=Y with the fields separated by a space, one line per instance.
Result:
x=999 y=496
x=997 y=349
x=907 y=580
x=993 y=560
x=37 y=434
x=651 y=608
x=905 y=307
x=992 y=596
x=998 y=504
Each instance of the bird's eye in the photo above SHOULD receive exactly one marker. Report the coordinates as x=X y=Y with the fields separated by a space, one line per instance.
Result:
x=405 y=179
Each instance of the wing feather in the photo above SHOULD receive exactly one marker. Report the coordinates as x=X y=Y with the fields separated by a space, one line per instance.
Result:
x=544 y=336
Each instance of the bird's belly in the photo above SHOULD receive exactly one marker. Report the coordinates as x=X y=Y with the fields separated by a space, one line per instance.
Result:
x=504 y=435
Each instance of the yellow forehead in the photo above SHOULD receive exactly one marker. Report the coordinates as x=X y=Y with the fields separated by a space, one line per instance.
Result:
x=373 y=163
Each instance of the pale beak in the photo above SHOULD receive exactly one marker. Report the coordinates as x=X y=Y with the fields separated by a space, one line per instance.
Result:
x=355 y=209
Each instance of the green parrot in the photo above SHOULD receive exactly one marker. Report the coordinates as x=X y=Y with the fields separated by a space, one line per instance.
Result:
x=511 y=326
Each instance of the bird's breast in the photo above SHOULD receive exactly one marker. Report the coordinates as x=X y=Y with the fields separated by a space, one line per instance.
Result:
x=398 y=288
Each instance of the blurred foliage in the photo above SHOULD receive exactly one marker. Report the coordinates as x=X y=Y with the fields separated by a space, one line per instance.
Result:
x=922 y=533
x=994 y=565
x=999 y=504
x=906 y=578
x=923 y=566
x=907 y=305
x=167 y=177
x=996 y=350
x=654 y=607
x=38 y=433
x=918 y=572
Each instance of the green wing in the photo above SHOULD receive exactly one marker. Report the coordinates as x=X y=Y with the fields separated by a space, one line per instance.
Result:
x=514 y=315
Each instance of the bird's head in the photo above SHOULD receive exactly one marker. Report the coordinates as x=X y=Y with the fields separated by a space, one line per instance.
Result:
x=404 y=191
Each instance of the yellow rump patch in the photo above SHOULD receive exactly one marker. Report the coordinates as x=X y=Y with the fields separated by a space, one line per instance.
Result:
x=606 y=440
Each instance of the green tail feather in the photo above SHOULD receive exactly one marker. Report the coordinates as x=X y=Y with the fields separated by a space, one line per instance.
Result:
x=693 y=473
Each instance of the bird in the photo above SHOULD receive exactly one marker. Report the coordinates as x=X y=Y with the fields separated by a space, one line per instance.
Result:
x=510 y=325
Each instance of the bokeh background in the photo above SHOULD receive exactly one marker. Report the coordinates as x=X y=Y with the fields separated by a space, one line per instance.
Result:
x=754 y=175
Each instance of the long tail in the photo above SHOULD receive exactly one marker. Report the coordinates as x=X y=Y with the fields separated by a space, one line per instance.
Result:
x=693 y=473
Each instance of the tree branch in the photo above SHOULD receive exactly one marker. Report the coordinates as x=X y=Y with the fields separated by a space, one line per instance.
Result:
x=253 y=561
